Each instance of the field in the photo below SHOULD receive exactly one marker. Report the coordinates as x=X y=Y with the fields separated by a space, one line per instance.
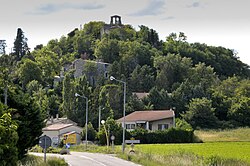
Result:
x=224 y=150
x=235 y=135
x=227 y=147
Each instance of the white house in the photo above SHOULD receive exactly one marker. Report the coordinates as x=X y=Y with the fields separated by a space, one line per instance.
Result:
x=150 y=120
x=56 y=132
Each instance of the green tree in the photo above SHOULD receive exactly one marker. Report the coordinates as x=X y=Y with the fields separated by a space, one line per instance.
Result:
x=29 y=71
x=8 y=138
x=198 y=84
x=68 y=93
x=108 y=50
x=201 y=114
x=160 y=99
x=49 y=64
x=149 y=35
x=91 y=132
x=29 y=119
x=142 y=79
x=78 y=114
x=20 y=45
x=171 y=70
x=240 y=111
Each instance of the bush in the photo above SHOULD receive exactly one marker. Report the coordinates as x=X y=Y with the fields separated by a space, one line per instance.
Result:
x=56 y=162
x=172 y=135
x=91 y=133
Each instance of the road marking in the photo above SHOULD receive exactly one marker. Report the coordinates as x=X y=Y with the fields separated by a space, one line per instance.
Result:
x=93 y=160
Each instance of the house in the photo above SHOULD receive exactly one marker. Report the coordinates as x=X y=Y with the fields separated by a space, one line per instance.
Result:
x=140 y=95
x=92 y=69
x=57 y=131
x=150 y=120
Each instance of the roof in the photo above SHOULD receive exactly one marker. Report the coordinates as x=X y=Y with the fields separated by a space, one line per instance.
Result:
x=57 y=126
x=151 y=115
x=59 y=120
x=140 y=95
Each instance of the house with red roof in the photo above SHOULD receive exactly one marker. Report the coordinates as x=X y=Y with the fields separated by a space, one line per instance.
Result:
x=151 y=120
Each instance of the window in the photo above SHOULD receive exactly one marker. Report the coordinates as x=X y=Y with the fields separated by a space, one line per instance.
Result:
x=162 y=126
x=130 y=126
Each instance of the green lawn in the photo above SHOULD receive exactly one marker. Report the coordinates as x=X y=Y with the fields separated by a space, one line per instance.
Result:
x=233 y=135
x=225 y=150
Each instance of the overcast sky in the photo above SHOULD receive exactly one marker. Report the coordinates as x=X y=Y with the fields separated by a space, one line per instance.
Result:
x=214 y=22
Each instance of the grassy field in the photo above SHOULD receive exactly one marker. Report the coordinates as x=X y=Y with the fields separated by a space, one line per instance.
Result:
x=223 y=150
x=227 y=147
x=235 y=135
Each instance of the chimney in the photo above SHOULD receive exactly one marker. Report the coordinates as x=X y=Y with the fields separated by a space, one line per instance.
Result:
x=51 y=118
x=57 y=116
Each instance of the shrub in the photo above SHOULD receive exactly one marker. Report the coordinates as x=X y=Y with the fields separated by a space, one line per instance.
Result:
x=91 y=132
x=56 y=162
x=172 y=135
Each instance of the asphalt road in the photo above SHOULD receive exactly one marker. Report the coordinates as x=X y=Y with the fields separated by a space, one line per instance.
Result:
x=90 y=159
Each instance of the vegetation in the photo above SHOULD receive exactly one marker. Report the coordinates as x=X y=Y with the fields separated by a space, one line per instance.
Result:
x=233 y=153
x=227 y=135
x=31 y=160
x=197 y=80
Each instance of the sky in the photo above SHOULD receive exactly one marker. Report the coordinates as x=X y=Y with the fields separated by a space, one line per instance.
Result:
x=223 y=23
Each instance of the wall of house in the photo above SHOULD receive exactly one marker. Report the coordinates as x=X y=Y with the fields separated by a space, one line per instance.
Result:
x=155 y=124
x=53 y=135
x=57 y=135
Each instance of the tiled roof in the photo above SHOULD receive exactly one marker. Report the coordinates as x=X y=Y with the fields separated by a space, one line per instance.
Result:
x=57 y=126
x=141 y=95
x=151 y=115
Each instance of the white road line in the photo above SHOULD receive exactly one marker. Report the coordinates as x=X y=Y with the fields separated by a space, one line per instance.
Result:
x=93 y=160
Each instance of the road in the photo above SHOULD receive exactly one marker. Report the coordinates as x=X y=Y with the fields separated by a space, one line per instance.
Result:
x=90 y=159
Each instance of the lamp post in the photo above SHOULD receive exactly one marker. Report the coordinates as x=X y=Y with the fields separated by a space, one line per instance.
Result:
x=106 y=133
x=86 y=124
x=124 y=109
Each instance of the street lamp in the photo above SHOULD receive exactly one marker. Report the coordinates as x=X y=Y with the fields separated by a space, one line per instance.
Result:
x=124 y=109
x=106 y=133
x=86 y=125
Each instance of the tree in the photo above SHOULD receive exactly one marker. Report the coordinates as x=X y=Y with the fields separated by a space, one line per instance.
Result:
x=201 y=114
x=142 y=79
x=27 y=115
x=49 y=64
x=91 y=132
x=20 y=45
x=240 y=111
x=78 y=114
x=68 y=94
x=160 y=99
x=110 y=98
x=107 y=50
x=171 y=70
x=8 y=138
x=231 y=100
x=149 y=35
x=29 y=71
x=2 y=46
x=198 y=84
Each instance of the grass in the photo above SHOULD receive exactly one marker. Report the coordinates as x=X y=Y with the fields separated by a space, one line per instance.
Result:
x=233 y=135
x=222 y=150
x=31 y=160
